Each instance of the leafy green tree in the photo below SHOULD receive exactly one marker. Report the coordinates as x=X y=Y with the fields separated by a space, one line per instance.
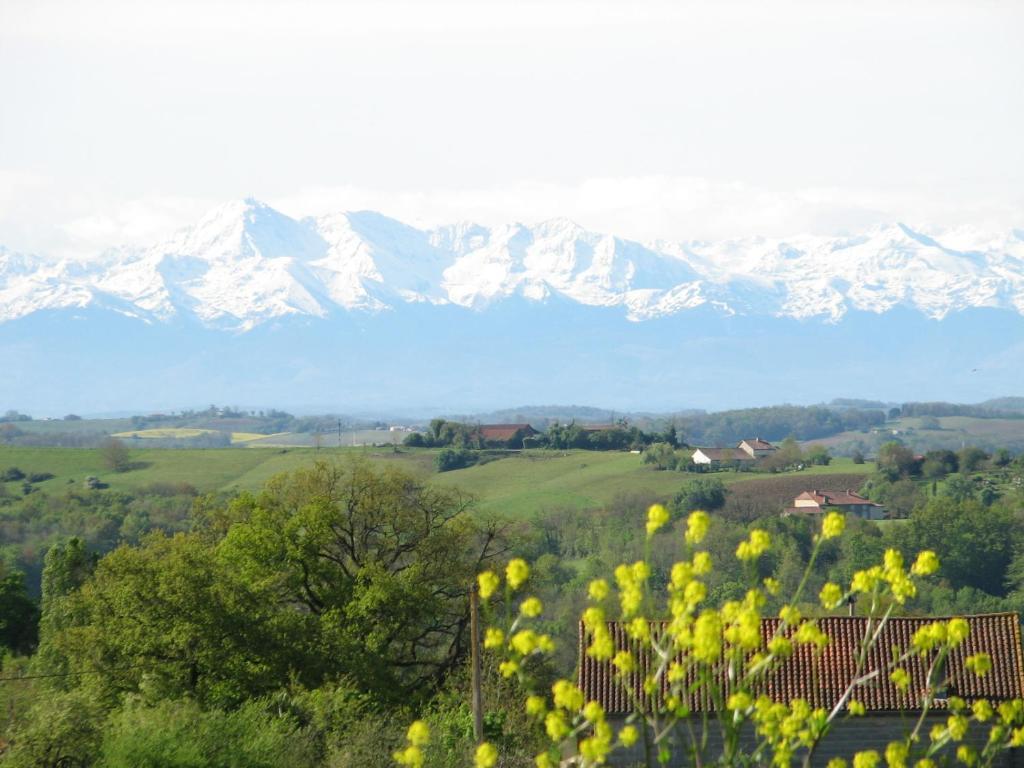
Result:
x=1002 y=457
x=959 y=488
x=66 y=567
x=896 y=461
x=61 y=730
x=938 y=464
x=671 y=435
x=788 y=456
x=975 y=545
x=818 y=455
x=414 y=440
x=989 y=492
x=371 y=566
x=707 y=493
x=900 y=498
x=173 y=613
x=114 y=455
x=971 y=458
x=19 y=616
x=661 y=455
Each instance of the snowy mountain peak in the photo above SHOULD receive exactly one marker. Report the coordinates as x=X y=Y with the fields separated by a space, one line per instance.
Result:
x=245 y=263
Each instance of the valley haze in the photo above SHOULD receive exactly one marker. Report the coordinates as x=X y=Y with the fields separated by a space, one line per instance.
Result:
x=358 y=311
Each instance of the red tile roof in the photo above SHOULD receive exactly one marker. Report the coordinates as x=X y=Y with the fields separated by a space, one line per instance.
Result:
x=821 y=680
x=504 y=432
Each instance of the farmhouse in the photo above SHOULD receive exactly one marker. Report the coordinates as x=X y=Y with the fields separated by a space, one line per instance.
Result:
x=818 y=502
x=717 y=457
x=757 y=448
x=822 y=677
x=511 y=435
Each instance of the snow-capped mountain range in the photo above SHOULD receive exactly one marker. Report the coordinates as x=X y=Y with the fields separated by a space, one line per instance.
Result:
x=245 y=264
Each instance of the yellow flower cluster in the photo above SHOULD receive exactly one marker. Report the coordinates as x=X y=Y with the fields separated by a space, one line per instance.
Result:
x=493 y=638
x=567 y=696
x=788 y=728
x=517 y=572
x=598 y=590
x=486 y=756
x=831 y=595
x=926 y=564
x=755 y=546
x=938 y=633
x=697 y=525
x=601 y=645
x=707 y=637
x=531 y=607
x=900 y=678
x=488 y=582
x=417 y=737
x=979 y=664
x=896 y=754
x=631 y=580
x=657 y=516
x=892 y=574
x=832 y=525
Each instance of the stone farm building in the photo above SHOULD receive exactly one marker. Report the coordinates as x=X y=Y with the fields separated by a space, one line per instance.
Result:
x=818 y=502
x=746 y=453
x=721 y=457
x=757 y=448
x=822 y=677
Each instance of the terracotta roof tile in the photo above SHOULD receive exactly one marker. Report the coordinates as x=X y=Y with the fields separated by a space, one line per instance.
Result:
x=822 y=679
x=504 y=431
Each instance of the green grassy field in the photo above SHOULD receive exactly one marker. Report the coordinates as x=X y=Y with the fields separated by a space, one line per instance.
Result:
x=521 y=484
x=206 y=469
x=531 y=481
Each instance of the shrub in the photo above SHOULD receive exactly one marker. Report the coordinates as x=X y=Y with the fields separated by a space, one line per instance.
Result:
x=178 y=734
x=455 y=458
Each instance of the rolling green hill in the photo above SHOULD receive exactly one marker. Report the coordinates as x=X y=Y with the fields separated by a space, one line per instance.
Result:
x=923 y=433
x=519 y=484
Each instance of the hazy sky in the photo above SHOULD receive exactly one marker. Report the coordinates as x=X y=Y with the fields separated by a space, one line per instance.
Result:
x=120 y=121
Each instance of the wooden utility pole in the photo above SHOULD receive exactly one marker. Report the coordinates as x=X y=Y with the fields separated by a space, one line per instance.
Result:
x=474 y=655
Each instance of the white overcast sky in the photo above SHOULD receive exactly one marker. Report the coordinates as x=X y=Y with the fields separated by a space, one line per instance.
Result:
x=120 y=121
